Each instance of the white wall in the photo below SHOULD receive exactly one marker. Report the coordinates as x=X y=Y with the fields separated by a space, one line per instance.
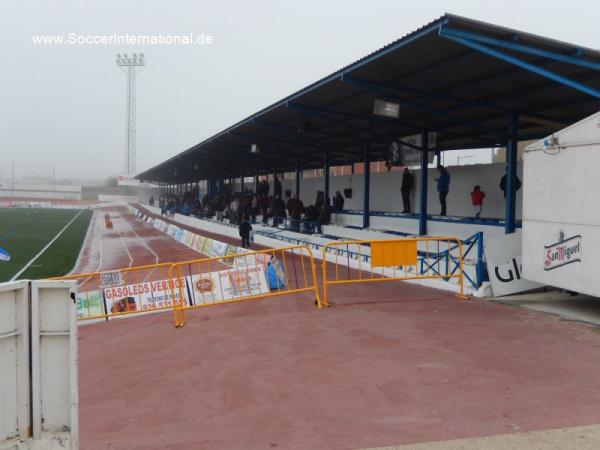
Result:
x=385 y=190
x=38 y=335
x=561 y=195
x=45 y=191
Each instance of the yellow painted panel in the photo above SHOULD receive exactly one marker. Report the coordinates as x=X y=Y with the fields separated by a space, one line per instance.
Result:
x=392 y=254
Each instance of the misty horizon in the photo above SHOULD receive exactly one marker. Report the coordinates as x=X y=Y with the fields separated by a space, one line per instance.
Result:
x=65 y=104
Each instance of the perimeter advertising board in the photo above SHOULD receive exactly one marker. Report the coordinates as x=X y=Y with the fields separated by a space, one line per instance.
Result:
x=503 y=257
x=228 y=284
x=143 y=296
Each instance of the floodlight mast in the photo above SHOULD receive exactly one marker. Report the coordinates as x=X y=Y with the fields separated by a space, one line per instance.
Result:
x=130 y=65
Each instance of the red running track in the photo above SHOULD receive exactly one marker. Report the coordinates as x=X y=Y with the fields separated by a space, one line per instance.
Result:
x=390 y=363
x=130 y=243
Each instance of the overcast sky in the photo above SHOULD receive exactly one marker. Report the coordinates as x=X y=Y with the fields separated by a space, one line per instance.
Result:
x=66 y=103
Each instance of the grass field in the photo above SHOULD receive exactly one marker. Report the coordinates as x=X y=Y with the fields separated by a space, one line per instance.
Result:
x=24 y=232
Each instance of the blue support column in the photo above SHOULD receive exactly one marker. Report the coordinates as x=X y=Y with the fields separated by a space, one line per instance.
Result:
x=298 y=174
x=367 y=184
x=423 y=183
x=326 y=177
x=511 y=173
x=480 y=268
x=256 y=181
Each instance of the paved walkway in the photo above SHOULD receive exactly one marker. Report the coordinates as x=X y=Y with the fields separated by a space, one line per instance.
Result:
x=577 y=438
x=389 y=364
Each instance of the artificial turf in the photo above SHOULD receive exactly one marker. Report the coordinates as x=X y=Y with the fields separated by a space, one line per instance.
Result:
x=26 y=231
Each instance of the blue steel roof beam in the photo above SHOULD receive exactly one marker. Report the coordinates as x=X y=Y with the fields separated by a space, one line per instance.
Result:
x=190 y=160
x=445 y=31
x=547 y=88
x=352 y=138
x=291 y=131
x=500 y=75
x=426 y=69
x=377 y=90
x=273 y=157
x=323 y=112
x=460 y=101
x=525 y=65
x=381 y=139
x=257 y=139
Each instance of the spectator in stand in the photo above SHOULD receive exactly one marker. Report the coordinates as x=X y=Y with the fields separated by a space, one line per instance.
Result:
x=296 y=211
x=277 y=188
x=338 y=201
x=264 y=188
x=235 y=204
x=254 y=207
x=264 y=207
x=443 y=187
x=172 y=208
x=320 y=200
x=245 y=228
x=162 y=204
x=278 y=211
x=477 y=197
x=503 y=184
x=323 y=218
x=288 y=203
x=407 y=185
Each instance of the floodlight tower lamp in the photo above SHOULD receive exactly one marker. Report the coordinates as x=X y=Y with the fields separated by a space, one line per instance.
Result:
x=130 y=66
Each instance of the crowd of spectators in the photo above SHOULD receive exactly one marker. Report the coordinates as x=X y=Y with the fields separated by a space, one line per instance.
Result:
x=236 y=207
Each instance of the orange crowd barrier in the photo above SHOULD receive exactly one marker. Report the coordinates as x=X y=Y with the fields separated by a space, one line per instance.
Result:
x=368 y=261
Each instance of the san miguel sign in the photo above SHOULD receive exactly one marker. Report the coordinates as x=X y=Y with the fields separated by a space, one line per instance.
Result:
x=563 y=252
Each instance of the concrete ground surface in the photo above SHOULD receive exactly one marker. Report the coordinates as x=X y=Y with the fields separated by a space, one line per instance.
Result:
x=388 y=364
x=582 y=308
x=578 y=438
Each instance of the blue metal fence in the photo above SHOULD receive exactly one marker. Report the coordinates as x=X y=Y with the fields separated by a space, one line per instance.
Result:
x=428 y=260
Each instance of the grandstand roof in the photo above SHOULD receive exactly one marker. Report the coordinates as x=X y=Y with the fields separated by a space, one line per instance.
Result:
x=454 y=76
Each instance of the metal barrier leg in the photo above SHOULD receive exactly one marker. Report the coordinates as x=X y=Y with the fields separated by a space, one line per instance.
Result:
x=313 y=270
x=461 y=292
x=178 y=301
x=324 y=300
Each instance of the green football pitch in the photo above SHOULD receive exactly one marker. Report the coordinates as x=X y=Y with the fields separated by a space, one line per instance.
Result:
x=24 y=232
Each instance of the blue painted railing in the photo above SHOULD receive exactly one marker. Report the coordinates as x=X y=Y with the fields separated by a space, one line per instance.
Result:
x=473 y=245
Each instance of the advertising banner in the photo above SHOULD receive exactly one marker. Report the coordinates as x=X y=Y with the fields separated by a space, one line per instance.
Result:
x=218 y=248
x=89 y=304
x=411 y=156
x=178 y=234
x=189 y=239
x=199 y=244
x=144 y=296
x=503 y=257
x=206 y=248
x=228 y=284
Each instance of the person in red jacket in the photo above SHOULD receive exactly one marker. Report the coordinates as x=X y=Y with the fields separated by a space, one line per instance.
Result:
x=477 y=197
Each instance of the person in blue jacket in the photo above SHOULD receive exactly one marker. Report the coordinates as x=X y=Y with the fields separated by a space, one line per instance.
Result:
x=443 y=186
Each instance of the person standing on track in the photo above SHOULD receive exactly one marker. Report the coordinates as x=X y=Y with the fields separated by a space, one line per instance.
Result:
x=245 y=228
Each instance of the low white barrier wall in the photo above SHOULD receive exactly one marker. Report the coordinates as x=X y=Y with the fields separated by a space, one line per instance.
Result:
x=38 y=366
x=313 y=242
